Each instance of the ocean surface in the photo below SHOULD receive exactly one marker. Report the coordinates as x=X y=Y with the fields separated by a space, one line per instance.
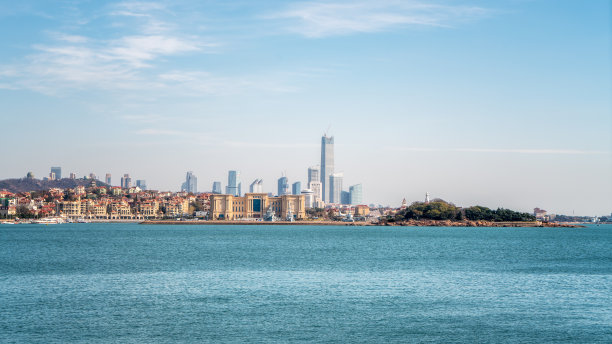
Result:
x=130 y=283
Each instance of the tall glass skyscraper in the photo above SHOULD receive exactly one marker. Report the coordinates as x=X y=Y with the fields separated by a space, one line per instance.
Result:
x=216 y=189
x=335 y=188
x=283 y=186
x=327 y=166
x=355 y=194
x=296 y=188
x=313 y=174
x=256 y=186
x=142 y=184
x=191 y=183
x=58 y=172
x=234 y=186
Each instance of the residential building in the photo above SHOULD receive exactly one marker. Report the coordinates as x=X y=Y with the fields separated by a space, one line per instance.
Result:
x=52 y=176
x=191 y=183
x=92 y=176
x=356 y=194
x=256 y=186
x=58 y=172
x=362 y=210
x=107 y=179
x=255 y=206
x=216 y=188
x=234 y=186
x=283 y=186
x=540 y=214
x=72 y=175
x=296 y=188
x=70 y=208
x=314 y=174
x=327 y=165
x=335 y=187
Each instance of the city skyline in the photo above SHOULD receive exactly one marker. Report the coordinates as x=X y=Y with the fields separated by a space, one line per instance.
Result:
x=504 y=104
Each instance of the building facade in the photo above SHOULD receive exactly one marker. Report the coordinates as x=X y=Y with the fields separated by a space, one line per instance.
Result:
x=316 y=188
x=126 y=181
x=327 y=165
x=335 y=188
x=256 y=186
x=355 y=194
x=107 y=179
x=58 y=172
x=345 y=197
x=296 y=188
x=234 y=185
x=255 y=206
x=283 y=186
x=314 y=174
x=216 y=188
x=191 y=183
x=142 y=184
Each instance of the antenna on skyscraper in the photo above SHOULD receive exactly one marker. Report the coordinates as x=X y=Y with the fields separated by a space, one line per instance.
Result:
x=326 y=131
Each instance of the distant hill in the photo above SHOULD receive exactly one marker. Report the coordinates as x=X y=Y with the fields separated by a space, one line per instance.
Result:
x=26 y=184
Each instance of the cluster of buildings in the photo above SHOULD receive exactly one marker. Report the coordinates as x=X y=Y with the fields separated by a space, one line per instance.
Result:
x=324 y=185
x=100 y=203
x=323 y=189
x=126 y=180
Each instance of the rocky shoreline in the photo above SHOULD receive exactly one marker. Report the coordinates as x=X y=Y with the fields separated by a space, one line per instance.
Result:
x=480 y=223
x=411 y=223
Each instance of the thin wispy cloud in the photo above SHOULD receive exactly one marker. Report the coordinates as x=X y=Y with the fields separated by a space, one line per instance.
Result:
x=500 y=150
x=321 y=19
x=75 y=61
x=162 y=132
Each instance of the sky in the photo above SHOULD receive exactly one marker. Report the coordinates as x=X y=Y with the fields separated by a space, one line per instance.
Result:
x=496 y=103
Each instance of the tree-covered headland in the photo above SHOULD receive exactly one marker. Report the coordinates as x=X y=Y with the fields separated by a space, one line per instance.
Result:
x=441 y=210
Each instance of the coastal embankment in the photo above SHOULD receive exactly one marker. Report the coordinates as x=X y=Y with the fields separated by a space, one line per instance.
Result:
x=411 y=223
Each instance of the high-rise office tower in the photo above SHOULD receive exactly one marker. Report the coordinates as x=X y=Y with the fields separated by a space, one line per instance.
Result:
x=142 y=184
x=345 y=197
x=58 y=172
x=283 y=186
x=356 y=194
x=107 y=179
x=234 y=186
x=335 y=187
x=309 y=201
x=296 y=188
x=327 y=165
x=315 y=186
x=72 y=175
x=216 y=189
x=314 y=174
x=126 y=181
x=256 y=186
x=52 y=176
x=191 y=183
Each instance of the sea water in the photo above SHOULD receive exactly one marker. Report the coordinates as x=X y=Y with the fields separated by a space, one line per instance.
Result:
x=130 y=283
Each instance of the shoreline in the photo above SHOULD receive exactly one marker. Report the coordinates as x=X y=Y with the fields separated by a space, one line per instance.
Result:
x=411 y=223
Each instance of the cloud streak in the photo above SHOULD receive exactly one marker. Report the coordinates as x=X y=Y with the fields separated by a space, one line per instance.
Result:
x=73 y=61
x=500 y=150
x=322 y=19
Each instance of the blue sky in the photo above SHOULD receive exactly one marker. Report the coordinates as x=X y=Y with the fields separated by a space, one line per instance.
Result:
x=499 y=103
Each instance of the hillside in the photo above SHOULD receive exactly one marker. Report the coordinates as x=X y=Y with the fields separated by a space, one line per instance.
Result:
x=26 y=184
